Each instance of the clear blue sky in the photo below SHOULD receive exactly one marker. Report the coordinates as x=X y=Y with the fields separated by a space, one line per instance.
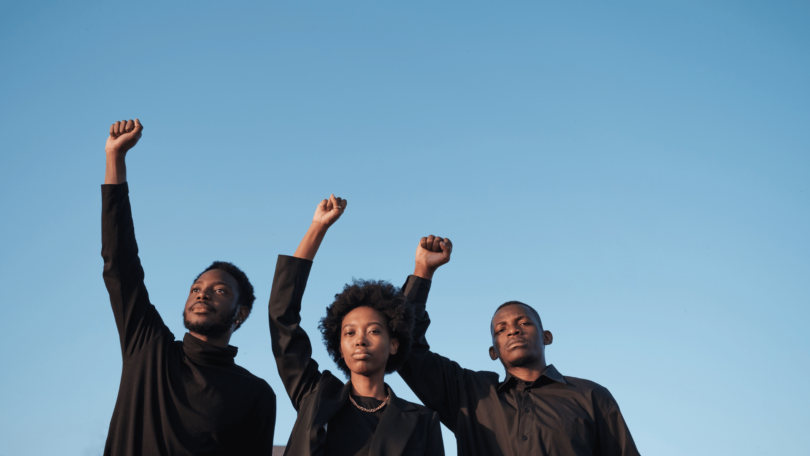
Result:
x=638 y=171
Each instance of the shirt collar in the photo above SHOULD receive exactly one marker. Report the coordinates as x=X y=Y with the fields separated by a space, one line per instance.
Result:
x=551 y=373
x=207 y=353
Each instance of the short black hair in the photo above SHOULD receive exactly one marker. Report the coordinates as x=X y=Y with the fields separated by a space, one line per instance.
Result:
x=380 y=296
x=246 y=296
x=512 y=303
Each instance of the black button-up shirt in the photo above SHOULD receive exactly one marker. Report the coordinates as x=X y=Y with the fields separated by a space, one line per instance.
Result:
x=553 y=415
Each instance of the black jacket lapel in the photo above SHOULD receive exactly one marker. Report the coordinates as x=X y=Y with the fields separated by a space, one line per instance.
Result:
x=328 y=406
x=397 y=423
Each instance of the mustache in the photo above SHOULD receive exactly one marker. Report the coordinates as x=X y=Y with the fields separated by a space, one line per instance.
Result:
x=207 y=306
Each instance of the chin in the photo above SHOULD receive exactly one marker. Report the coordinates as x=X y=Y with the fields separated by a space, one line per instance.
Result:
x=365 y=371
x=523 y=360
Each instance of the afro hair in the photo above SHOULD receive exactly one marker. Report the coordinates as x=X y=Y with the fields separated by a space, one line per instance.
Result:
x=380 y=296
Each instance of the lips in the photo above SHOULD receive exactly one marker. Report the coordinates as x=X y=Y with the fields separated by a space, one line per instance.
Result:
x=201 y=307
x=514 y=343
x=361 y=355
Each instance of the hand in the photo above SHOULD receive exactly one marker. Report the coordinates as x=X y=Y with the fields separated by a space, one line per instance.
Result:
x=329 y=210
x=431 y=253
x=123 y=136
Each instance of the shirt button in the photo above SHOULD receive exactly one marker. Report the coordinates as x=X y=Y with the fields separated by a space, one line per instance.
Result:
x=526 y=409
x=525 y=438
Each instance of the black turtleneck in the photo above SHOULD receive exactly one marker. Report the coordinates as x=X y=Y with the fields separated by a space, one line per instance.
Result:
x=175 y=398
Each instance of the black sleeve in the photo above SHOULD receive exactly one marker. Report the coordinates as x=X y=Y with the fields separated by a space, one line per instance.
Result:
x=614 y=435
x=137 y=319
x=266 y=424
x=435 y=444
x=291 y=346
x=436 y=381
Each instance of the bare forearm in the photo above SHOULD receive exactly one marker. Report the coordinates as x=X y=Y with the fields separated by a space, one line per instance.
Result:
x=311 y=242
x=116 y=172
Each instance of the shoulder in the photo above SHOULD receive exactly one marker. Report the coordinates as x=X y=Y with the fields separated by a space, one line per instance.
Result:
x=595 y=391
x=249 y=380
x=328 y=385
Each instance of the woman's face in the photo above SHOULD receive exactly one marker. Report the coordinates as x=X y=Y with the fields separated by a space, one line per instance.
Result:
x=364 y=341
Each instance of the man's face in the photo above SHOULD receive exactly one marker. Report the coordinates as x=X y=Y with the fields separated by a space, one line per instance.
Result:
x=518 y=340
x=211 y=306
x=364 y=341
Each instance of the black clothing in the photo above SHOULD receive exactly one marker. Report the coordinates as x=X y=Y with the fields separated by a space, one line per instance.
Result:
x=351 y=430
x=554 y=415
x=175 y=398
x=404 y=428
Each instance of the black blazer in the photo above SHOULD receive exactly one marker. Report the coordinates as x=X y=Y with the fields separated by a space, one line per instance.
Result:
x=405 y=428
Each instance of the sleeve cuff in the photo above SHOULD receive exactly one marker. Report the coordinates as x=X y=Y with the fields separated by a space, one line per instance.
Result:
x=287 y=259
x=416 y=289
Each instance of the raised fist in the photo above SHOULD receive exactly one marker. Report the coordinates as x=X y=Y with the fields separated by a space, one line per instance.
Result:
x=123 y=136
x=433 y=252
x=329 y=210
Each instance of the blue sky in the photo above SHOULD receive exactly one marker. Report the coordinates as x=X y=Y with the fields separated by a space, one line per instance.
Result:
x=638 y=171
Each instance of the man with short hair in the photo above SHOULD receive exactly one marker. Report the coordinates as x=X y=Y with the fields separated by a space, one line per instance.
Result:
x=177 y=397
x=534 y=411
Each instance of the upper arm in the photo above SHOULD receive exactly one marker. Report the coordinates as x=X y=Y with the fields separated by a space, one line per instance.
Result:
x=137 y=319
x=436 y=380
x=292 y=348
x=614 y=435
x=265 y=424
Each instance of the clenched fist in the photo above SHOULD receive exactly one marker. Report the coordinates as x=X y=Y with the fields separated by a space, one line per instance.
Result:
x=123 y=136
x=431 y=253
x=329 y=210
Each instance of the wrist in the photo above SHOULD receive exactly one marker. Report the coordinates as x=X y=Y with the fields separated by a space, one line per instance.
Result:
x=318 y=227
x=115 y=155
x=424 y=271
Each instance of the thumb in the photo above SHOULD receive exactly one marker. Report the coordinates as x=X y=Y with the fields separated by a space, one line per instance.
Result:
x=138 y=126
x=447 y=246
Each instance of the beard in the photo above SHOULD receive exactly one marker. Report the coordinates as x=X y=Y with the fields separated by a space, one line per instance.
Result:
x=212 y=328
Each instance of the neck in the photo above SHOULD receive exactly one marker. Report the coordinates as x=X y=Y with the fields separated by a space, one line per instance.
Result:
x=528 y=373
x=371 y=386
x=219 y=341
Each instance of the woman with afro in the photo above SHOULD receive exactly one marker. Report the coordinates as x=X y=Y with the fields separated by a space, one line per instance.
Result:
x=367 y=332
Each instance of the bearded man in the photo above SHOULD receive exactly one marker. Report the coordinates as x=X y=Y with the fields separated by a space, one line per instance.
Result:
x=177 y=397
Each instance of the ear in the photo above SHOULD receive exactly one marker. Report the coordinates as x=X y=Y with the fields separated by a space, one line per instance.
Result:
x=548 y=338
x=241 y=315
x=393 y=346
x=493 y=355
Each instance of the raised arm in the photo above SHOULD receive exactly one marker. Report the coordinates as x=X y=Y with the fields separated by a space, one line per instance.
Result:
x=137 y=320
x=435 y=380
x=292 y=348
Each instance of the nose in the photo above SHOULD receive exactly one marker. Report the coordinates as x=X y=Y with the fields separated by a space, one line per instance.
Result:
x=361 y=341
x=513 y=331
x=203 y=295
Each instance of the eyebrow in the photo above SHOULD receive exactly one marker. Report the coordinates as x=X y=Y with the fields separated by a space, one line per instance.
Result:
x=352 y=324
x=215 y=283
x=519 y=317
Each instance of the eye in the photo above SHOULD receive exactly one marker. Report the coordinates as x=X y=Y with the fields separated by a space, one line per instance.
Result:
x=499 y=331
x=375 y=331
x=195 y=289
x=348 y=333
x=222 y=291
